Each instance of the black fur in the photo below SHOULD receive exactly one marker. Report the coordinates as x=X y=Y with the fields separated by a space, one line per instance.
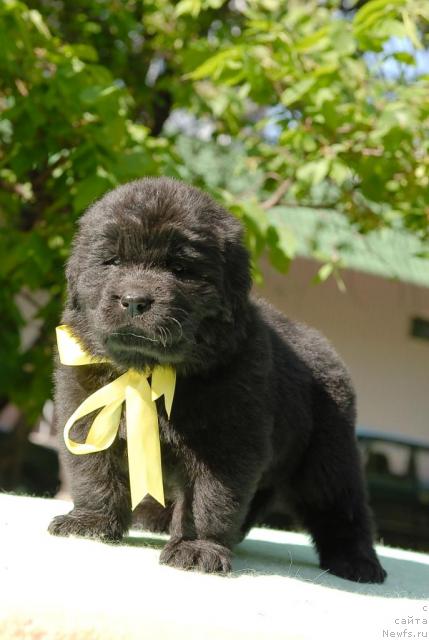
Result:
x=264 y=409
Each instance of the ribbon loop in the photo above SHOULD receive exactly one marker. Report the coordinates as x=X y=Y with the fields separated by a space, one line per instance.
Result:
x=133 y=388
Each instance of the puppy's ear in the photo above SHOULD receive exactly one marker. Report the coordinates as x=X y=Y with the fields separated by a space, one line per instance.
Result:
x=237 y=278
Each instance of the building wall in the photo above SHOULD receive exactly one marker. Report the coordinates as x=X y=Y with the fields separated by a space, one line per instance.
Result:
x=369 y=325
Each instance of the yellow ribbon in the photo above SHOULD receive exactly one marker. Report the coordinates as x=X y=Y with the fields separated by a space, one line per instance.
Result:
x=133 y=388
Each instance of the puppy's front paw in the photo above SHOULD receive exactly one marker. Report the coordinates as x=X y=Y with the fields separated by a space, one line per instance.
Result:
x=86 y=524
x=202 y=555
x=359 y=567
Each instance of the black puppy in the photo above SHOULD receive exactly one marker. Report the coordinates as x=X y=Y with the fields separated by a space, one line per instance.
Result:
x=264 y=409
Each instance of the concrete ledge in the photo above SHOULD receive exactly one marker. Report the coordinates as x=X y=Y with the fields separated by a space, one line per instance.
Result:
x=53 y=588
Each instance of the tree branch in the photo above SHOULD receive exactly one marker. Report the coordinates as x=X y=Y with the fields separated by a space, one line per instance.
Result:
x=277 y=195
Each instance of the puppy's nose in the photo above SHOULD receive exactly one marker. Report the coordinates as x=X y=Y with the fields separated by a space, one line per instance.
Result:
x=136 y=305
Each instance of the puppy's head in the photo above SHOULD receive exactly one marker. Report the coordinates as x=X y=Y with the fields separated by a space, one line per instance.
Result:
x=158 y=274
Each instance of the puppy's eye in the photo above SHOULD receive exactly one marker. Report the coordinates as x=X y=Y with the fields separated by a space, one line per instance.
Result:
x=114 y=260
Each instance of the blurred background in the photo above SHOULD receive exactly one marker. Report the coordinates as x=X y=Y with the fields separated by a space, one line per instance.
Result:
x=308 y=120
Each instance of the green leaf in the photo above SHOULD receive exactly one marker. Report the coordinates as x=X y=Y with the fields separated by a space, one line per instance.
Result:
x=193 y=7
x=214 y=65
x=317 y=40
x=89 y=190
x=405 y=57
x=373 y=11
x=83 y=51
x=94 y=93
x=324 y=272
x=297 y=91
x=314 y=172
x=411 y=30
x=38 y=22
x=340 y=172
x=281 y=246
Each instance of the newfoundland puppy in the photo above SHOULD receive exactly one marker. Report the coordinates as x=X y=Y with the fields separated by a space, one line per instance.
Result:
x=264 y=409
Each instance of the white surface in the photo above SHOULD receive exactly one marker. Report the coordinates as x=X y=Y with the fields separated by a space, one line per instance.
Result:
x=57 y=588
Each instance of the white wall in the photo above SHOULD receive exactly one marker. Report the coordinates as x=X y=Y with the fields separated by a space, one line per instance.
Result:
x=369 y=326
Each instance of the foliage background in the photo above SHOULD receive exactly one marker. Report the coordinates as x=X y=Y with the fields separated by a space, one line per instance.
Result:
x=262 y=102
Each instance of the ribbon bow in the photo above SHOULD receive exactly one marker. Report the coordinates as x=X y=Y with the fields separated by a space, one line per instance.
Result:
x=133 y=388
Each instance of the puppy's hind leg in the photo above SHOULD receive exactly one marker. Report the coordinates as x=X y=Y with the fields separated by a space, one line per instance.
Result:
x=330 y=499
x=101 y=496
